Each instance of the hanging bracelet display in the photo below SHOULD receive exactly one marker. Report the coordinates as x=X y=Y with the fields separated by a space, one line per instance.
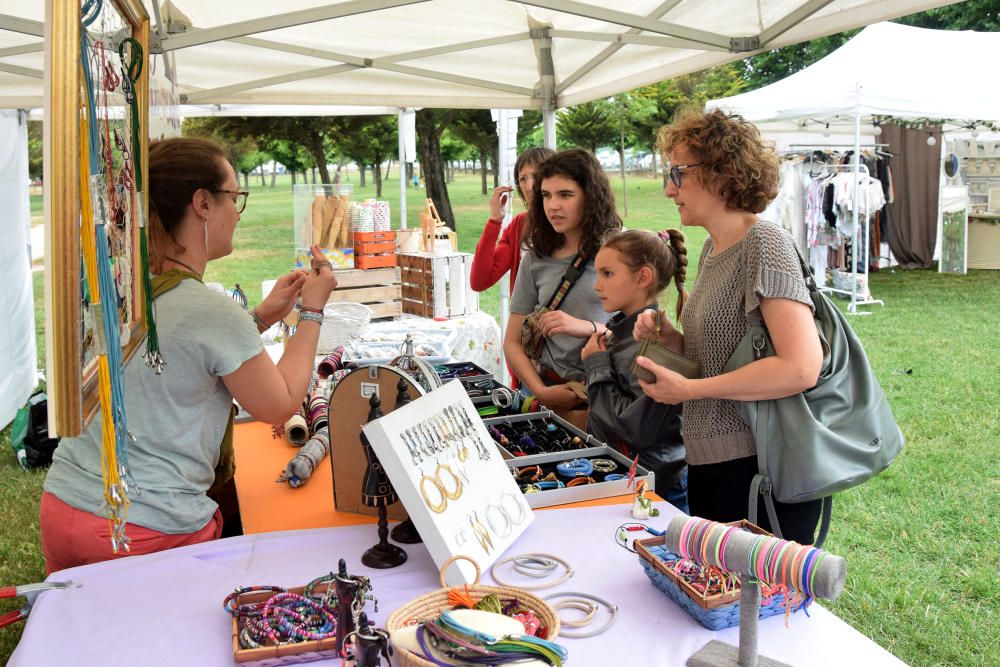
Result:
x=579 y=601
x=537 y=558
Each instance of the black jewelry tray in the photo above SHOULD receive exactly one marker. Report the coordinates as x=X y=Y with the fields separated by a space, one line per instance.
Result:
x=543 y=415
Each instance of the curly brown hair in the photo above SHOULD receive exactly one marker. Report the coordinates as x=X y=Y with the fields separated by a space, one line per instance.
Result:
x=735 y=162
x=599 y=213
x=638 y=248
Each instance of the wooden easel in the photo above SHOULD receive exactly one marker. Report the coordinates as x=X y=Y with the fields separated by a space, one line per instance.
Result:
x=430 y=224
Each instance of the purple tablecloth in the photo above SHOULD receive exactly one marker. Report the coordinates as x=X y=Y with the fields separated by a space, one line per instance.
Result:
x=166 y=609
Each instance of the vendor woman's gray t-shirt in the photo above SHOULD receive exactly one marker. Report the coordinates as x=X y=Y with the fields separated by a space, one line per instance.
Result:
x=537 y=280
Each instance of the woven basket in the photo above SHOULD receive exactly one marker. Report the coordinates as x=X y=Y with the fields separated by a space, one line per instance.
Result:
x=342 y=321
x=430 y=605
x=715 y=612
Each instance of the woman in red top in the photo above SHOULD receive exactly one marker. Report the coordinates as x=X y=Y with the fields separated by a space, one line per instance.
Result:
x=493 y=259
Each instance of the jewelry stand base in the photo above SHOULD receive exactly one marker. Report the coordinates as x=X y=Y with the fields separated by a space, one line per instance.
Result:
x=405 y=532
x=721 y=654
x=383 y=556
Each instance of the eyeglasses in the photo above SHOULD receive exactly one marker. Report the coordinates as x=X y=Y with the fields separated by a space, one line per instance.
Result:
x=677 y=171
x=240 y=199
x=527 y=178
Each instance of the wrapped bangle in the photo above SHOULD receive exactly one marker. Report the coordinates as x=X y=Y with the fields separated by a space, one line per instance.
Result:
x=540 y=558
x=579 y=481
x=261 y=327
x=529 y=474
x=307 y=309
x=575 y=468
x=307 y=316
x=603 y=465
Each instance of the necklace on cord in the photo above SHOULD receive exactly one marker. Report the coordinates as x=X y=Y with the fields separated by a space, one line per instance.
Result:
x=177 y=261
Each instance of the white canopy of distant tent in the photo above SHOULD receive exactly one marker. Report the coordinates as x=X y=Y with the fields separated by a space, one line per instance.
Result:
x=885 y=70
x=497 y=54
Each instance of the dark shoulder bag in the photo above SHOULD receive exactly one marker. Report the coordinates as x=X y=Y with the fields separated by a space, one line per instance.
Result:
x=532 y=340
x=829 y=438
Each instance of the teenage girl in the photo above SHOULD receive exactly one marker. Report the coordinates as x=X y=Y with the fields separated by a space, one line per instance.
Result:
x=572 y=207
x=493 y=259
x=633 y=267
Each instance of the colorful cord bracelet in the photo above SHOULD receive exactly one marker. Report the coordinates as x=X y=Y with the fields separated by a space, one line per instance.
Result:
x=580 y=481
x=603 y=465
x=520 y=558
x=613 y=477
x=522 y=474
x=583 y=598
x=575 y=468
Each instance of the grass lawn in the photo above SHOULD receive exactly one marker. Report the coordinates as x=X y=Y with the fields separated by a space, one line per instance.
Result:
x=921 y=541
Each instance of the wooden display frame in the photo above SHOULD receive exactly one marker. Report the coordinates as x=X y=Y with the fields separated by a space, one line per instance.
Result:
x=72 y=386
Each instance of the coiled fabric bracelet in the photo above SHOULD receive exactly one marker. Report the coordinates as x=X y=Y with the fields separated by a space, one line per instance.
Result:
x=603 y=465
x=613 y=477
x=575 y=468
x=577 y=601
x=537 y=558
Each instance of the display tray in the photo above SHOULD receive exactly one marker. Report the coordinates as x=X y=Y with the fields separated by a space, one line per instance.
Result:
x=515 y=421
x=281 y=654
x=573 y=494
x=463 y=370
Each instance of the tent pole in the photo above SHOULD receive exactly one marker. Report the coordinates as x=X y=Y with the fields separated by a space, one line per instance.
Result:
x=402 y=168
x=855 y=251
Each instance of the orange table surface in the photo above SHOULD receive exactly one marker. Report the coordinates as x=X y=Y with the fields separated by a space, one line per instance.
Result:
x=267 y=505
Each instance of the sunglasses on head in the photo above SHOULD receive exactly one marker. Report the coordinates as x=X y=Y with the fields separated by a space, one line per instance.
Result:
x=676 y=172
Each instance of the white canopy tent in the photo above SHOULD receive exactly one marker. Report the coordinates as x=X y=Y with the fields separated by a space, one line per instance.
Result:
x=885 y=70
x=503 y=54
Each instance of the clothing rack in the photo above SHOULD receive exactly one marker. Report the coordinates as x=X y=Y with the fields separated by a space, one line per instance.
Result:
x=858 y=169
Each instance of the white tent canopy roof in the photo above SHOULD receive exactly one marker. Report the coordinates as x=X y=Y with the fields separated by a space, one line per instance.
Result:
x=889 y=70
x=444 y=53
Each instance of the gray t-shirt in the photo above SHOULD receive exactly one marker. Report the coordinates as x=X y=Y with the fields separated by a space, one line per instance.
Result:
x=537 y=280
x=178 y=418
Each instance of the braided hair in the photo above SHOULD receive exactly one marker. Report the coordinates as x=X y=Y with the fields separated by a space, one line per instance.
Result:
x=663 y=252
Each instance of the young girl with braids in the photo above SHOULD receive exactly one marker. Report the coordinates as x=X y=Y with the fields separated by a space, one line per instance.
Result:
x=633 y=267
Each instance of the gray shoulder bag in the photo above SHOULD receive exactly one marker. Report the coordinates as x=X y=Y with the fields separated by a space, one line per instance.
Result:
x=829 y=438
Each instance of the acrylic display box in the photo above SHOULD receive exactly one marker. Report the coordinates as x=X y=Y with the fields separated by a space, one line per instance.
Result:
x=322 y=216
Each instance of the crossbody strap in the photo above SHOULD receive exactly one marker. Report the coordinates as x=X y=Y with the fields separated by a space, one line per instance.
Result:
x=573 y=272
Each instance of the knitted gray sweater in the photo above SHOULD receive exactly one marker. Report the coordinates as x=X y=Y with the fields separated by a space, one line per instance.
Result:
x=730 y=285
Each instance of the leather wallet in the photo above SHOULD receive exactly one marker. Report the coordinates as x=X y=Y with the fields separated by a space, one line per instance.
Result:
x=668 y=359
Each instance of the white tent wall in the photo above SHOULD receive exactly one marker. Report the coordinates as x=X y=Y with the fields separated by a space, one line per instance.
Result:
x=17 y=308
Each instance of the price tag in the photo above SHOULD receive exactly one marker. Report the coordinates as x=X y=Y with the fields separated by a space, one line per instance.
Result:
x=369 y=389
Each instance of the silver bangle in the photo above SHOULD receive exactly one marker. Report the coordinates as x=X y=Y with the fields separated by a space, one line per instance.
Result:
x=539 y=568
x=538 y=557
x=582 y=599
x=311 y=317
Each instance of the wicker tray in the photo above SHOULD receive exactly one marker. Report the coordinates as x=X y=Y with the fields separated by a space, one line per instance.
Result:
x=714 y=612
x=432 y=604
x=342 y=321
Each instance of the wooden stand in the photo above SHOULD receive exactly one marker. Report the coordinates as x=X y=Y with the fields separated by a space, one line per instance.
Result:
x=379 y=289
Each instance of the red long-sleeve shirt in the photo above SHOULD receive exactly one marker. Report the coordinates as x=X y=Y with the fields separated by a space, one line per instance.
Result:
x=493 y=259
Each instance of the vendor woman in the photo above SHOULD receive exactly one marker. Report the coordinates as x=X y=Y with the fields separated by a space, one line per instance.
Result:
x=213 y=354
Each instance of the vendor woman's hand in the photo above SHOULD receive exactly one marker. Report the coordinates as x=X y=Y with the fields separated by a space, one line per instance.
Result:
x=645 y=327
x=496 y=208
x=596 y=343
x=670 y=388
x=558 y=322
x=558 y=397
x=282 y=297
x=319 y=281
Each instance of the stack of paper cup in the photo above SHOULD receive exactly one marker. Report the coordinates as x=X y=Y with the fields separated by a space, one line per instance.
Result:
x=381 y=214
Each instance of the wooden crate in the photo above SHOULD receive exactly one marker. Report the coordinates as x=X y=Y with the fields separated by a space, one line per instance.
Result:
x=437 y=285
x=284 y=654
x=379 y=289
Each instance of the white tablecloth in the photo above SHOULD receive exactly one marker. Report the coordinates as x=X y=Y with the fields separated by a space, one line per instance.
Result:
x=166 y=609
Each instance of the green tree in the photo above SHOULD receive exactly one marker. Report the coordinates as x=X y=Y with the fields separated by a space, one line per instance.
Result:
x=431 y=124
x=369 y=140
x=476 y=128
x=591 y=125
x=452 y=149
x=529 y=130
x=35 y=149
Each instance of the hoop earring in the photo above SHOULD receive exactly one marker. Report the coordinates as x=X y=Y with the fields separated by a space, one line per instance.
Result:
x=455 y=493
x=439 y=507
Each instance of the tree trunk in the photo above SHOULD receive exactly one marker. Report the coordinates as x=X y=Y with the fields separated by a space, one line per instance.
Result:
x=293 y=176
x=654 y=162
x=246 y=180
x=361 y=171
x=430 y=125
x=377 y=176
x=482 y=172
x=495 y=152
x=388 y=170
x=621 y=165
x=263 y=183
x=409 y=173
x=274 y=175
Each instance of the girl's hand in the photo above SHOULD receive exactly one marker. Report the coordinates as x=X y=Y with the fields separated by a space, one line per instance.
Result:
x=558 y=397
x=558 y=322
x=645 y=327
x=496 y=208
x=596 y=343
x=319 y=282
x=281 y=299
x=670 y=388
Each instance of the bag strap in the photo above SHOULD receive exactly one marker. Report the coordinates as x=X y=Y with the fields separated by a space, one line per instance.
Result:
x=573 y=272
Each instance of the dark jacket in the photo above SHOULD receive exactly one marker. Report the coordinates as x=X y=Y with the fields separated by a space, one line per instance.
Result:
x=624 y=417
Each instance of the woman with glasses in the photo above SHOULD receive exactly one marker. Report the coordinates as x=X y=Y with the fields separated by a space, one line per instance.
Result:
x=180 y=416
x=493 y=259
x=722 y=175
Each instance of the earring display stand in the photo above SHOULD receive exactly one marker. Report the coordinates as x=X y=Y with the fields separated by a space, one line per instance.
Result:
x=451 y=478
